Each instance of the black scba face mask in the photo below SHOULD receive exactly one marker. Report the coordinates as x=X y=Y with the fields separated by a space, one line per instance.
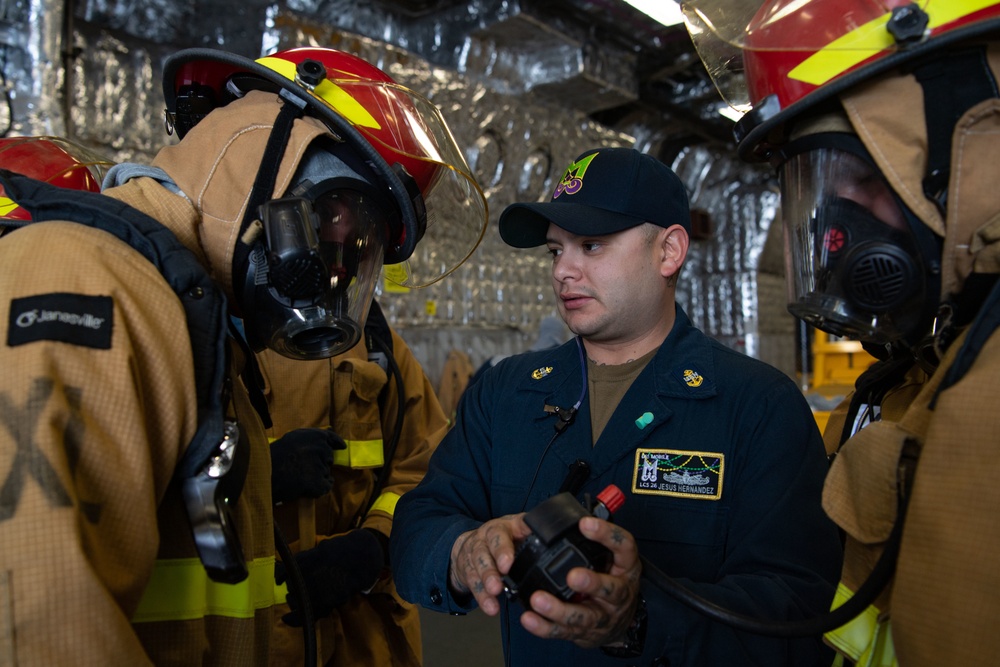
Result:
x=868 y=282
x=855 y=263
x=312 y=273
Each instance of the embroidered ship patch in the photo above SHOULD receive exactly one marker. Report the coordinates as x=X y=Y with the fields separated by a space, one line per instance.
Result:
x=672 y=472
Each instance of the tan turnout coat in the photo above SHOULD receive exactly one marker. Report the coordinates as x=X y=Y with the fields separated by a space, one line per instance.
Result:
x=91 y=437
x=943 y=602
x=377 y=628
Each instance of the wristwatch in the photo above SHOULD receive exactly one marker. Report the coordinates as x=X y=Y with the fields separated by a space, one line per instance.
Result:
x=635 y=636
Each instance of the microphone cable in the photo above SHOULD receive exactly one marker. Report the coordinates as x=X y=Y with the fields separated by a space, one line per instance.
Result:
x=566 y=417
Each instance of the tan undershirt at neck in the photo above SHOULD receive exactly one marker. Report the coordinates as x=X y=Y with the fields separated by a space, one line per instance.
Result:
x=607 y=385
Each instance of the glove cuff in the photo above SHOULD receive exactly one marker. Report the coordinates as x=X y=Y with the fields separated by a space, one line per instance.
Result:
x=383 y=543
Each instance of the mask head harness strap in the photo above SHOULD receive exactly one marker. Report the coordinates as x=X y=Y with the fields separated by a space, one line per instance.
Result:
x=267 y=173
x=953 y=82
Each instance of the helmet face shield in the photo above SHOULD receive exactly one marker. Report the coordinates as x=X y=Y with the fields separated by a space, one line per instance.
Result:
x=410 y=134
x=312 y=276
x=411 y=128
x=753 y=48
x=853 y=266
x=400 y=133
x=776 y=59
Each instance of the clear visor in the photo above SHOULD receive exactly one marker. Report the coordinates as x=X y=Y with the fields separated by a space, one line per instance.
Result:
x=96 y=165
x=314 y=286
x=83 y=169
x=852 y=265
x=411 y=127
x=721 y=30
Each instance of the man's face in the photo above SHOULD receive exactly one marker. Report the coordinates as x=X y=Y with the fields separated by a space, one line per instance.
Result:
x=337 y=212
x=609 y=288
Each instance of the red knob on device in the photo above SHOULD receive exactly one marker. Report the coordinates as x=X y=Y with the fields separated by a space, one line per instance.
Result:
x=612 y=498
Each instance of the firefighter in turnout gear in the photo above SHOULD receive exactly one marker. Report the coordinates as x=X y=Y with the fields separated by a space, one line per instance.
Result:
x=320 y=370
x=378 y=399
x=881 y=118
x=135 y=476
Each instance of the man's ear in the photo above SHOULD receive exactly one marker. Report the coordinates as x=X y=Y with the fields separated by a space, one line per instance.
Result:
x=674 y=241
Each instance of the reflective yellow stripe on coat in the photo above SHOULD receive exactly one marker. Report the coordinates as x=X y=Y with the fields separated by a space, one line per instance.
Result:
x=866 y=639
x=180 y=590
x=386 y=503
x=360 y=454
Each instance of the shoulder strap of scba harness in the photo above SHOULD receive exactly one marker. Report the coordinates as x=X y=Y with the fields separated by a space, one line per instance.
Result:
x=210 y=456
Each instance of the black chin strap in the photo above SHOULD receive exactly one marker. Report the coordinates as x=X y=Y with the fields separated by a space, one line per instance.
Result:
x=267 y=172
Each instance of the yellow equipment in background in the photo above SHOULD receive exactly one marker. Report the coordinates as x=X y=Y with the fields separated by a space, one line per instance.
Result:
x=837 y=363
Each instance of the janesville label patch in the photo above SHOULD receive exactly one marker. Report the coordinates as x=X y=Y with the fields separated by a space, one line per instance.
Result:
x=672 y=472
x=79 y=319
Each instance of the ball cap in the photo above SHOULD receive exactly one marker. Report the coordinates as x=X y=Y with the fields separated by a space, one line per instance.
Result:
x=604 y=191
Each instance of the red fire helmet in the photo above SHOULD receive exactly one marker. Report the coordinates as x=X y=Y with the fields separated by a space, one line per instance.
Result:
x=359 y=103
x=775 y=59
x=53 y=160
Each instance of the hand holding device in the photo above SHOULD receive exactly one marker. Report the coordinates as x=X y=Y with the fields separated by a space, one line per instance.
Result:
x=578 y=574
x=556 y=545
x=480 y=558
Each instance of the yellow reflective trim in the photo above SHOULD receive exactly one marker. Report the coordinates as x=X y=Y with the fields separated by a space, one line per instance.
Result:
x=865 y=639
x=397 y=275
x=360 y=454
x=180 y=590
x=853 y=637
x=280 y=593
x=883 y=653
x=865 y=41
x=386 y=503
x=335 y=96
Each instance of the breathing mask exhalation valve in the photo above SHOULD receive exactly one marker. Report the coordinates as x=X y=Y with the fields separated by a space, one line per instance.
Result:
x=556 y=545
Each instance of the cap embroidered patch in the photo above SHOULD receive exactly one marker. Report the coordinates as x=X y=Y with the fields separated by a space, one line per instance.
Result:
x=539 y=373
x=672 y=472
x=572 y=178
x=68 y=318
x=692 y=378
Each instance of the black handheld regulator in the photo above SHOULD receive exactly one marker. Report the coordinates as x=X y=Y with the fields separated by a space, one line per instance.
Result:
x=556 y=545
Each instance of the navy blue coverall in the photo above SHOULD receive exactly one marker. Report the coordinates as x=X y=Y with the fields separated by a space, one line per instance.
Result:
x=722 y=466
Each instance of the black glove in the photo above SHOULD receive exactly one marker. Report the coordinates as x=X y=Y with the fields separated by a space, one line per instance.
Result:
x=302 y=462
x=334 y=571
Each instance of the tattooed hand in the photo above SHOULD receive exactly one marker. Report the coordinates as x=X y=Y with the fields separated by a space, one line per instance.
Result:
x=479 y=558
x=609 y=599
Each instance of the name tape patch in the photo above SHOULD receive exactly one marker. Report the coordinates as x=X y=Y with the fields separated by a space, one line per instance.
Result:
x=682 y=473
x=78 y=319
